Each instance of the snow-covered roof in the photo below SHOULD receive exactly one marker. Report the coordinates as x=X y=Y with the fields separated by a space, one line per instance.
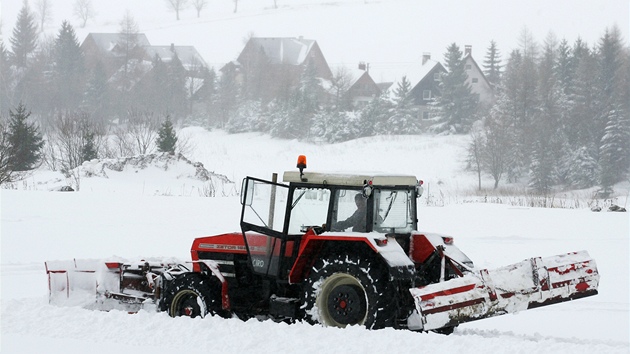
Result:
x=415 y=73
x=108 y=41
x=188 y=55
x=291 y=51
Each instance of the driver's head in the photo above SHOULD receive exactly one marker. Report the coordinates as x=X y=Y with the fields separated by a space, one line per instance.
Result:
x=360 y=201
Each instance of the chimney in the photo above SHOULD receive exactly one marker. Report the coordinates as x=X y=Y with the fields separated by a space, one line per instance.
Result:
x=467 y=50
x=172 y=47
x=362 y=66
x=425 y=57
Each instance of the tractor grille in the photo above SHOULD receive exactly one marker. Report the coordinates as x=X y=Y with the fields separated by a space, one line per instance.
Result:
x=224 y=260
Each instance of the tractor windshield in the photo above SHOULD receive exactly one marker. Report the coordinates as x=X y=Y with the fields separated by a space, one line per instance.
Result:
x=309 y=208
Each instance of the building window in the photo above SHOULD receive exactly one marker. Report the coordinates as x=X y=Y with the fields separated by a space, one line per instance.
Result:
x=475 y=80
x=426 y=95
x=468 y=66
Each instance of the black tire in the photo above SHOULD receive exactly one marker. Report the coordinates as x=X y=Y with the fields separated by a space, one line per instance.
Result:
x=193 y=295
x=349 y=290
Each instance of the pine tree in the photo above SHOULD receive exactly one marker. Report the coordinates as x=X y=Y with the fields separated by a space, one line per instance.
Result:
x=614 y=151
x=177 y=86
x=492 y=64
x=402 y=119
x=228 y=97
x=88 y=150
x=581 y=128
x=582 y=168
x=68 y=69
x=156 y=88
x=24 y=40
x=96 y=96
x=373 y=117
x=167 y=138
x=246 y=118
x=5 y=79
x=456 y=106
x=609 y=77
x=24 y=139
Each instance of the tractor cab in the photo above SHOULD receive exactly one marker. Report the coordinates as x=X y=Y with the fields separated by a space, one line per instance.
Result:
x=275 y=216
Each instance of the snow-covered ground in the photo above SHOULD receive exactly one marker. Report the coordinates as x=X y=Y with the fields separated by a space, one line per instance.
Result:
x=137 y=219
x=151 y=212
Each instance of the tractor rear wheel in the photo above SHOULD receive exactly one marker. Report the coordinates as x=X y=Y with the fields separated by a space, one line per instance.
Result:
x=193 y=296
x=349 y=290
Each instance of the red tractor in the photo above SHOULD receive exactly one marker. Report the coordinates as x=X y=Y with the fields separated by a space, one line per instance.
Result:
x=335 y=249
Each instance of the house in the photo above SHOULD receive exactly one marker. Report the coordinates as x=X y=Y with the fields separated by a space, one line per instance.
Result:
x=362 y=89
x=109 y=49
x=476 y=78
x=191 y=61
x=272 y=67
x=425 y=84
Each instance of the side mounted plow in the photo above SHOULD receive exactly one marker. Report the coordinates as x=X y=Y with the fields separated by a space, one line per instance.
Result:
x=487 y=293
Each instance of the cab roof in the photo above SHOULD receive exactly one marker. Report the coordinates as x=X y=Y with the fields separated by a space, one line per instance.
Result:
x=344 y=179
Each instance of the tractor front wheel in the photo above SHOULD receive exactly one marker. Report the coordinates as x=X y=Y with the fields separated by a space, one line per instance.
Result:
x=192 y=295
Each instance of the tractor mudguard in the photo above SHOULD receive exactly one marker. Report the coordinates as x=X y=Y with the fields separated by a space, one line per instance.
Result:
x=399 y=264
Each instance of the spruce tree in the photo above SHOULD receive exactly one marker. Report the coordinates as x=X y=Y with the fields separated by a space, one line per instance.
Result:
x=614 y=153
x=167 y=138
x=88 y=150
x=177 y=86
x=5 y=79
x=68 y=69
x=24 y=39
x=456 y=105
x=25 y=140
x=97 y=93
x=402 y=119
x=373 y=117
x=492 y=64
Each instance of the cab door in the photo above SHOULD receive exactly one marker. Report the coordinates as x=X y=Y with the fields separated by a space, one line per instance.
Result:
x=263 y=223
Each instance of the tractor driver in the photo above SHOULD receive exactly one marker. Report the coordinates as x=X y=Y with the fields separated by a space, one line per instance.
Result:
x=358 y=219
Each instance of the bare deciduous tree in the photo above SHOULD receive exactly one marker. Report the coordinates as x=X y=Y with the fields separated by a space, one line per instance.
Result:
x=178 y=5
x=44 y=13
x=84 y=10
x=138 y=135
x=199 y=5
x=67 y=139
x=235 y=5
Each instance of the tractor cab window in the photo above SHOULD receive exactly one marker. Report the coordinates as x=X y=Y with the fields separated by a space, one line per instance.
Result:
x=350 y=211
x=393 y=211
x=309 y=208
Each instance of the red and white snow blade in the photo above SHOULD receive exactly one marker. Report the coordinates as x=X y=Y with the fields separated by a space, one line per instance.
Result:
x=105 y=285
x=525 y=285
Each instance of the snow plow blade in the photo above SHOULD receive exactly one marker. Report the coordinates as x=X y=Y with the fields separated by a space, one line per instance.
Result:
x=521 y=286
x=104 y=285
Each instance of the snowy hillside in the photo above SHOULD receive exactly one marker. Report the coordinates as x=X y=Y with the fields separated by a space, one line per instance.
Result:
x=390 y=35
x=135 y=223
